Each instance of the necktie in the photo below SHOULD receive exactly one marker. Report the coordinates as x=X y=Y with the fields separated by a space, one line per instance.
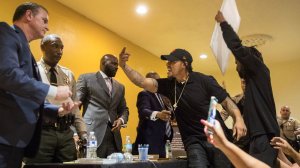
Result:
x=168 y=129
x=109 y=85
x=168 y=125
x=53 y=79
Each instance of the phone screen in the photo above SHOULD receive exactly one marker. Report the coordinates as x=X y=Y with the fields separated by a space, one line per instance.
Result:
x=212 y=110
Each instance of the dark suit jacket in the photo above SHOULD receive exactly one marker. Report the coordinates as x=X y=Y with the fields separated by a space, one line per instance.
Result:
x=98 y=106
x=148 y=131
x=21 y=95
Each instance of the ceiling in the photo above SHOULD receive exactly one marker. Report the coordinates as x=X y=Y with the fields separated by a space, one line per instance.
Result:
x=189 y=24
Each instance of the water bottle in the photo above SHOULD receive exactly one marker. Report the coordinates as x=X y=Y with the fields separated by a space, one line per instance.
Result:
x=128 y=145
x=92 y=146
x=168 y=148
x=127 y=150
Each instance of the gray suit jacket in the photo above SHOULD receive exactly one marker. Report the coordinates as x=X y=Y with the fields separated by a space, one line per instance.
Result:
x=99 y=107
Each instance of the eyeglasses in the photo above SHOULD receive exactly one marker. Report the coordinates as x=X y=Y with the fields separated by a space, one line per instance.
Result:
x=287 y=110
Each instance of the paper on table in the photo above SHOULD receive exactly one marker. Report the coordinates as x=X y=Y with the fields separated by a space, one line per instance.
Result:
x=218 y=46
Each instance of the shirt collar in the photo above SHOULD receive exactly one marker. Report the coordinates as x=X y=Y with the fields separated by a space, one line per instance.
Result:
x=190 y=79
x=47 y=67
x=104 y=75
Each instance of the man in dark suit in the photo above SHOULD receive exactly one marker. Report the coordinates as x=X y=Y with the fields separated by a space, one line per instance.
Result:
x=154 y=127
x=22 y=94
x=104 y=105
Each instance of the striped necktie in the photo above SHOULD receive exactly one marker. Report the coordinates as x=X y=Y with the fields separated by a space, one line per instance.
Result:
x=108 y=82
x=168 y=125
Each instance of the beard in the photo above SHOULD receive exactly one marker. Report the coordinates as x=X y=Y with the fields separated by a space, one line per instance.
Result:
x=110 y=72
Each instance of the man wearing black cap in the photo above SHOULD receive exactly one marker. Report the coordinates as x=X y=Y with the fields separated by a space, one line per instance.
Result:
x=190 y=94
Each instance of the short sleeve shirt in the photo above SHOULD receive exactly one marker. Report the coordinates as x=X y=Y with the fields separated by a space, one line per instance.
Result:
x=193 y=104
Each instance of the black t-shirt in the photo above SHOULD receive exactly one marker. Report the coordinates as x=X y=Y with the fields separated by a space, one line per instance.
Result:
x=259 y=106
x=193 y=104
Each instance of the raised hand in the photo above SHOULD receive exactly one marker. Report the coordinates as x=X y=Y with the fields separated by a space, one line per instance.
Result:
x=214 y=133
x=123 y=57
x=219 y=17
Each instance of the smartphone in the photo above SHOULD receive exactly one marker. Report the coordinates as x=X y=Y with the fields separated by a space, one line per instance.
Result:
x=212 y=109
x=212 y=112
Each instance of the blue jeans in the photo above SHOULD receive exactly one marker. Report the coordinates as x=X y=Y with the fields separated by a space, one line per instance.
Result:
x=204 y=154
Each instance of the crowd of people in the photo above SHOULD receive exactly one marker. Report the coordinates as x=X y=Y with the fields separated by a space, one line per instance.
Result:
x=40 y=104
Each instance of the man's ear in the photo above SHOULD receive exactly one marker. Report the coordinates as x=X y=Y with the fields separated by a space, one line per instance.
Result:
x=28 y=15
x=186 y=63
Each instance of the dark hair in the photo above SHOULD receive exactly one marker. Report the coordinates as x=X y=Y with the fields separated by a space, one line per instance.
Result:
x=152 y=74
x=188 y=66
x=21 y=9
x=49 y=38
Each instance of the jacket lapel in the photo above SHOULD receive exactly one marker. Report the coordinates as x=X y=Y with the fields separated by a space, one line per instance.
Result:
x=102 y=83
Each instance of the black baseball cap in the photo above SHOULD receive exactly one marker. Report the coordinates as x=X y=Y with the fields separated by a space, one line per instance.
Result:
x=178 y=55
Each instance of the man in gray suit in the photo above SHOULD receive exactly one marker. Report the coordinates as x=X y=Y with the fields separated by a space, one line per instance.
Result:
x=104 y=105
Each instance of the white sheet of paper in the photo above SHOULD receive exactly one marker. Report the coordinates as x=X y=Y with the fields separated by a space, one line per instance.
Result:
x=217 y=44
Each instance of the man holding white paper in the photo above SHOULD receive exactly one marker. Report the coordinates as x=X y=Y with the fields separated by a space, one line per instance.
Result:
x=259 y=110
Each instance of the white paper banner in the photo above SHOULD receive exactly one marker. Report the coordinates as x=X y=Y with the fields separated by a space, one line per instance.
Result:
x=217 y=44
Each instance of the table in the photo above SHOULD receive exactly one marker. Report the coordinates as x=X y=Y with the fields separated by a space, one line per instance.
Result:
x=148 y=164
